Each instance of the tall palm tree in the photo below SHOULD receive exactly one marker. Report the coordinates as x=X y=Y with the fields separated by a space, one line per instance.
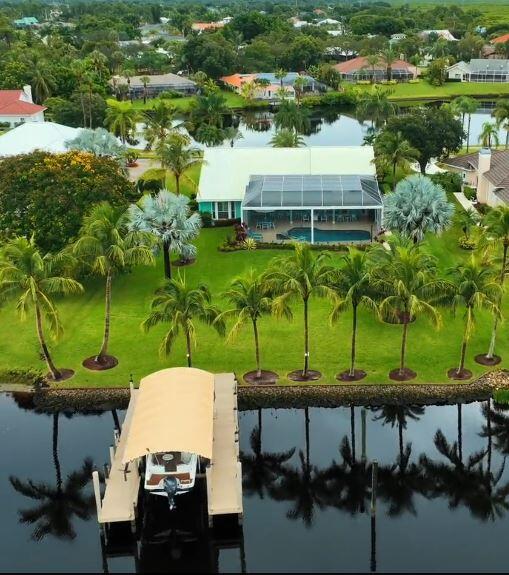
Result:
x=489 y=135
x=393 y=149
x=36 y=279
x=43 y=83
x=290 y=117
x=107 y=247
x=389 y=57
x=372 y=61
x=78 y=69
x=280 y=74
x=145 y=80
x=352 y=282
x=180 y=305
x=495 y=237
x=465 y=106
x=299 y=85
x=474 y=286
x=167 y=217
x=178 y=156
x=501 y=114
x=406 y=279
x=209 y=109
x=120 y=119
x=299 y=276
x=287 y=139
x=159 y=122
x=57 y=505
x=251 y=298
x=376 y=106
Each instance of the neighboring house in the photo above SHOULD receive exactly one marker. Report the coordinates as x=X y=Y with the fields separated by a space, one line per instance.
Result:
x=443 y=34
x=480 y=70
x=359 y=69
x=340 y=53
x=273 y=85
x=158 y=83
x=297 y=22
x=17 y=107
x=276 y=191
x=45 y=136
x=26 y=22
x=204 y=26
x=328 y=22
x=398 y=37
x=487 y=171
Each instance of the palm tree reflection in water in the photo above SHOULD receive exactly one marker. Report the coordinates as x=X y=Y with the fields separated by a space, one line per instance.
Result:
x=56 y=505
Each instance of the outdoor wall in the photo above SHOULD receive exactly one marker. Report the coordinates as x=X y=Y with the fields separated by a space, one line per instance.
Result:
x=206 y=207
x=15 y=120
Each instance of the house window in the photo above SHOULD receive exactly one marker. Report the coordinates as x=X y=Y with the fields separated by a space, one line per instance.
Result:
x=223 y=210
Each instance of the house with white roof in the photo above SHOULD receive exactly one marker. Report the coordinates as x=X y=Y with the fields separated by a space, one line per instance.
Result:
x=31 y=136
x=17 y=107
x=480 y=70
x=316 y=194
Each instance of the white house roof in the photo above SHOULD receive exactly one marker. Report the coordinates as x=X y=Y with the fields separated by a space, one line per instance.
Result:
x=30 y=136
x=227 y=171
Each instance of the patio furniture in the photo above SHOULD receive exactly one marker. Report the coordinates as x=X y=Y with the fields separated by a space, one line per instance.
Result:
x=256 y=236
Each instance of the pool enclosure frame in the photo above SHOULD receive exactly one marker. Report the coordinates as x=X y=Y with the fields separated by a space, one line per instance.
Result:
x=319 y=195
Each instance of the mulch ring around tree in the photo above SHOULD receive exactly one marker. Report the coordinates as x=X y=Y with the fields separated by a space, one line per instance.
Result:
x=64 y=374
x=107 y=362
x=461 y=376
x=182 y=263
x=483 y=359
x=297 y=375
x=358 y=374
x=266 y=377
x=405 y=374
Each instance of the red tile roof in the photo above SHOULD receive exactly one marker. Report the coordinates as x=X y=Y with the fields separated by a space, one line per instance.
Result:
x=11 y=104
x=238 y=80
x=501 y=39
x=361 y=63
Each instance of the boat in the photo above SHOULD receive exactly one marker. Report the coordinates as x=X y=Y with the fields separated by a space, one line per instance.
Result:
x=170 y=474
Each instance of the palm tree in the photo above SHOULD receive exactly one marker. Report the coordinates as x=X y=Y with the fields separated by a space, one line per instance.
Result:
x=417 y=206
x=372 y=61
x=159 y=122
x=57 y=505
x=248 y=91
x=376 y=106
x=78 y=69
x=290 y=117
x=406 y=279
x=232 y=134
x=389 y=57
x=300 y=276
x=108 y=247
x=209 y=109
x=179 y=305
x=501 y=114
x=145 y=80
x=496 y=236
x=489 y=135
x=251 y=299
x=466 y=220
x=465 y=106
x=43 y=83
x=120 y=119
x=287 y=139
x=35 y=278
x=167 y=217
x=178 y=156
x=299 y=85
x=474 y=287
x=393 y=149
x=280 y=74
x=352 y=282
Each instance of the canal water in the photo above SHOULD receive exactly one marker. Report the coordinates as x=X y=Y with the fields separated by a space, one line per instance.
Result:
x=442 y=494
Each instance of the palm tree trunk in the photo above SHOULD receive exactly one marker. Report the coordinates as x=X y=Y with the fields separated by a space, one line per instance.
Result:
x=177 y=184
x=394 y=176
x=257 y=349
x=188 y=346
x=491 y=350
x=90 y=106
x=488 y=431
x=352 y=430
x=461 y=366
x=55 y=374
x=56 y=460
x=166 y=259
x=354 y=337
x=306 y=414
x=403 y=346
x=306 y=340
x=83 y=108
x=460 y=434
x=400 y=434
x=107 y=319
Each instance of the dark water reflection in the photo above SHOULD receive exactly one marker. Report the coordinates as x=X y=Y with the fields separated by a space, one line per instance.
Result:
x=443 y=494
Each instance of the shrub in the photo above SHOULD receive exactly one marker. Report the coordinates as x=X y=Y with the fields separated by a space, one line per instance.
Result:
x=170 y=95
x=206 y=219
x=413 y=81
x=466 y=243
x=345 y=99
x=47 y=194
x=470 y=193
x=450 y=181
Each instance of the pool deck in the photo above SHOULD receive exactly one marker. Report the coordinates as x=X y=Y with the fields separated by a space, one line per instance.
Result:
x=282 y=227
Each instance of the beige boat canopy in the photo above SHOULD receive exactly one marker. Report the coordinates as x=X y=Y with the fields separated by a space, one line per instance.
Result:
x=174 y=411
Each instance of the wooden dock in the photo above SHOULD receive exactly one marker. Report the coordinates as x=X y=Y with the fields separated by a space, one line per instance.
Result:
x=224 y=475
x=123 y=482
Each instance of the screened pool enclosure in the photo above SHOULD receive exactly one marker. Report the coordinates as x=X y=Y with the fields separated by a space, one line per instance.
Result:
x=315 y=208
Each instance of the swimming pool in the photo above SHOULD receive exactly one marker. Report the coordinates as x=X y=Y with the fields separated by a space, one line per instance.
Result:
x=331 y=236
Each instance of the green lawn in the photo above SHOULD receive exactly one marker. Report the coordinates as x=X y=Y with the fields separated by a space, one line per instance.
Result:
x=429 y=353
x=424 y=91
x=188 y=183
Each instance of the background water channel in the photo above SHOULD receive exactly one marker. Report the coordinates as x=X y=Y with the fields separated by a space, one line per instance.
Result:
x=306 y=499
